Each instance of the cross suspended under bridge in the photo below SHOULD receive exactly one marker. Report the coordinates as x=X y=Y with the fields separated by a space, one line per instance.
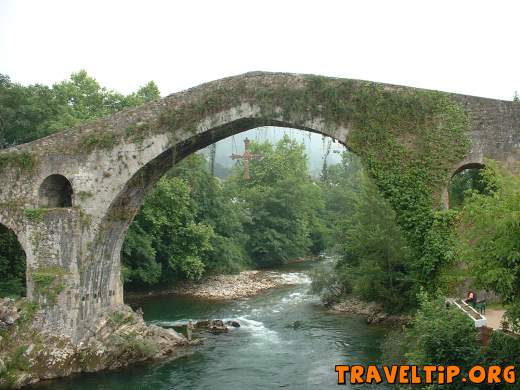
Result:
x=246 y=157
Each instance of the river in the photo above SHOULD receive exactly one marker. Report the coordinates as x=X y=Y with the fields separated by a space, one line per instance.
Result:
x=286 y=340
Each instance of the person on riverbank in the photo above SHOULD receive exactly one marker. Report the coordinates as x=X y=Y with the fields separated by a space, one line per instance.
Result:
x=189 y=330
x=471 y=299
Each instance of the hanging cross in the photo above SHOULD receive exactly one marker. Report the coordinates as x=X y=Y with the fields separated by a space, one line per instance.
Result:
x=246 y=157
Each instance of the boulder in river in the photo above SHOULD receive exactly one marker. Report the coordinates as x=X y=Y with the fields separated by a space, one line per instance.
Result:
x=216 y=326
x=233 y=323
x=202 y=324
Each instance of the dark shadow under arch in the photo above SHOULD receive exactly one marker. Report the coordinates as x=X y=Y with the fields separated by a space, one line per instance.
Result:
x=12 y=264
x=466 y=177
x=55 y=191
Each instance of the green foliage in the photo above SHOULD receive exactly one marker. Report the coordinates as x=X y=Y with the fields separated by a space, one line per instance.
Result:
x=503 y=349
x=35 y=215
x=489 y=234
x=97 y=141
x=282 y=201
x=119 y=318
x=22 y=160
x=194 y=224
x=217 y=207
x=12 y=264
x=31 y=112
x=376 y=252
x=375 y=260
x=512 y=316
x=165 y=242
x=16 y=363
x=142 y=347
x=48 y=282
x=132 y=344
x=440 y=250
x=408 y=140
x=441 y=335
x=331 y=282
x=461 y=183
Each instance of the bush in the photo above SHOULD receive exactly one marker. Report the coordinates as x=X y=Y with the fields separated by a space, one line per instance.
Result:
x=441 y=335
x=503 y=349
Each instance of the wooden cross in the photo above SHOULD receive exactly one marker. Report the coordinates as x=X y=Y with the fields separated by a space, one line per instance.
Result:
x=246 y=157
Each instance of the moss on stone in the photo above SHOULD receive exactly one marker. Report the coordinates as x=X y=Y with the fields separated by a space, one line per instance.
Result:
x=84 y=195
x=94 y=141
x=35 y=214
x=117 y=319
x=13 y=159
x=49 y=282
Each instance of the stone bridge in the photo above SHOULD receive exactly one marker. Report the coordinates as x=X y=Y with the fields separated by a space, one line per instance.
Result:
x=71 y=196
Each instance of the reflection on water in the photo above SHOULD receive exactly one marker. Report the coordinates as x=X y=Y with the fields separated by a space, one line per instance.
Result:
x=286 y=340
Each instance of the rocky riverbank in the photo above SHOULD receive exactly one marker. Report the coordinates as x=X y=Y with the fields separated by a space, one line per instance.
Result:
x=244 y=284
x=112 y=340
x=372 y=312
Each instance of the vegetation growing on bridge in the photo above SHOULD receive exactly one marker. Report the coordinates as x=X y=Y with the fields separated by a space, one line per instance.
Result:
x=49 y=282
x=21 y=160
x=35 y=214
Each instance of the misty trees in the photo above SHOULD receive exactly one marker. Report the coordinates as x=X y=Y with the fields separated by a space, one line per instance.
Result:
x=283 y=203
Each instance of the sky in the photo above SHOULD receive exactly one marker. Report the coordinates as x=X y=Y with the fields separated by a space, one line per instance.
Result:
x=470 y=47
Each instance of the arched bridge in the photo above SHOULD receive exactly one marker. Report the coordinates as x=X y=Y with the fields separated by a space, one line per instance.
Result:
x=71 y=196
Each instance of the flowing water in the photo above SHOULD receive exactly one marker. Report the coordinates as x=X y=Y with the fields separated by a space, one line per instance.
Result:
x=286 y=340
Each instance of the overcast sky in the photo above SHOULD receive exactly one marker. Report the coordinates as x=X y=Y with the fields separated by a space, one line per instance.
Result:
x=470 y=47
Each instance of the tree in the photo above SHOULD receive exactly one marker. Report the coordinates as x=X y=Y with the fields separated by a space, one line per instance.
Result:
x=35 y=111
x=189 y=226
x=461 y=183
x=376 y=252
x=441 y=335
x=216 y=207
x=375 y=261
x=489 y=235
x=282 y=201
x=165 y=231
x=23 y=112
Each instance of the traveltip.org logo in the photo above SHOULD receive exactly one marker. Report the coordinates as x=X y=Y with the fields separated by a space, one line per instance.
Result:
x=410 y=374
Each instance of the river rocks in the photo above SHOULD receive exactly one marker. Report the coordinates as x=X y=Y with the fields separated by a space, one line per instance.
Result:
x=372 y=312
x=203 y=324
x=234 y=324
x=216 y=326
x=113 y=339
x=244 y=284
x=8 y=312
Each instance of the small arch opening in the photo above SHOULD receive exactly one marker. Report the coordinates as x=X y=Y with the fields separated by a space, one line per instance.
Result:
x=12 y=264
x=466 y=178
x=55 y=191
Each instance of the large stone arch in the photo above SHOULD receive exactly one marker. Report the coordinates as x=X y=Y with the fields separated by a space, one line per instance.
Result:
x=114 y=161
